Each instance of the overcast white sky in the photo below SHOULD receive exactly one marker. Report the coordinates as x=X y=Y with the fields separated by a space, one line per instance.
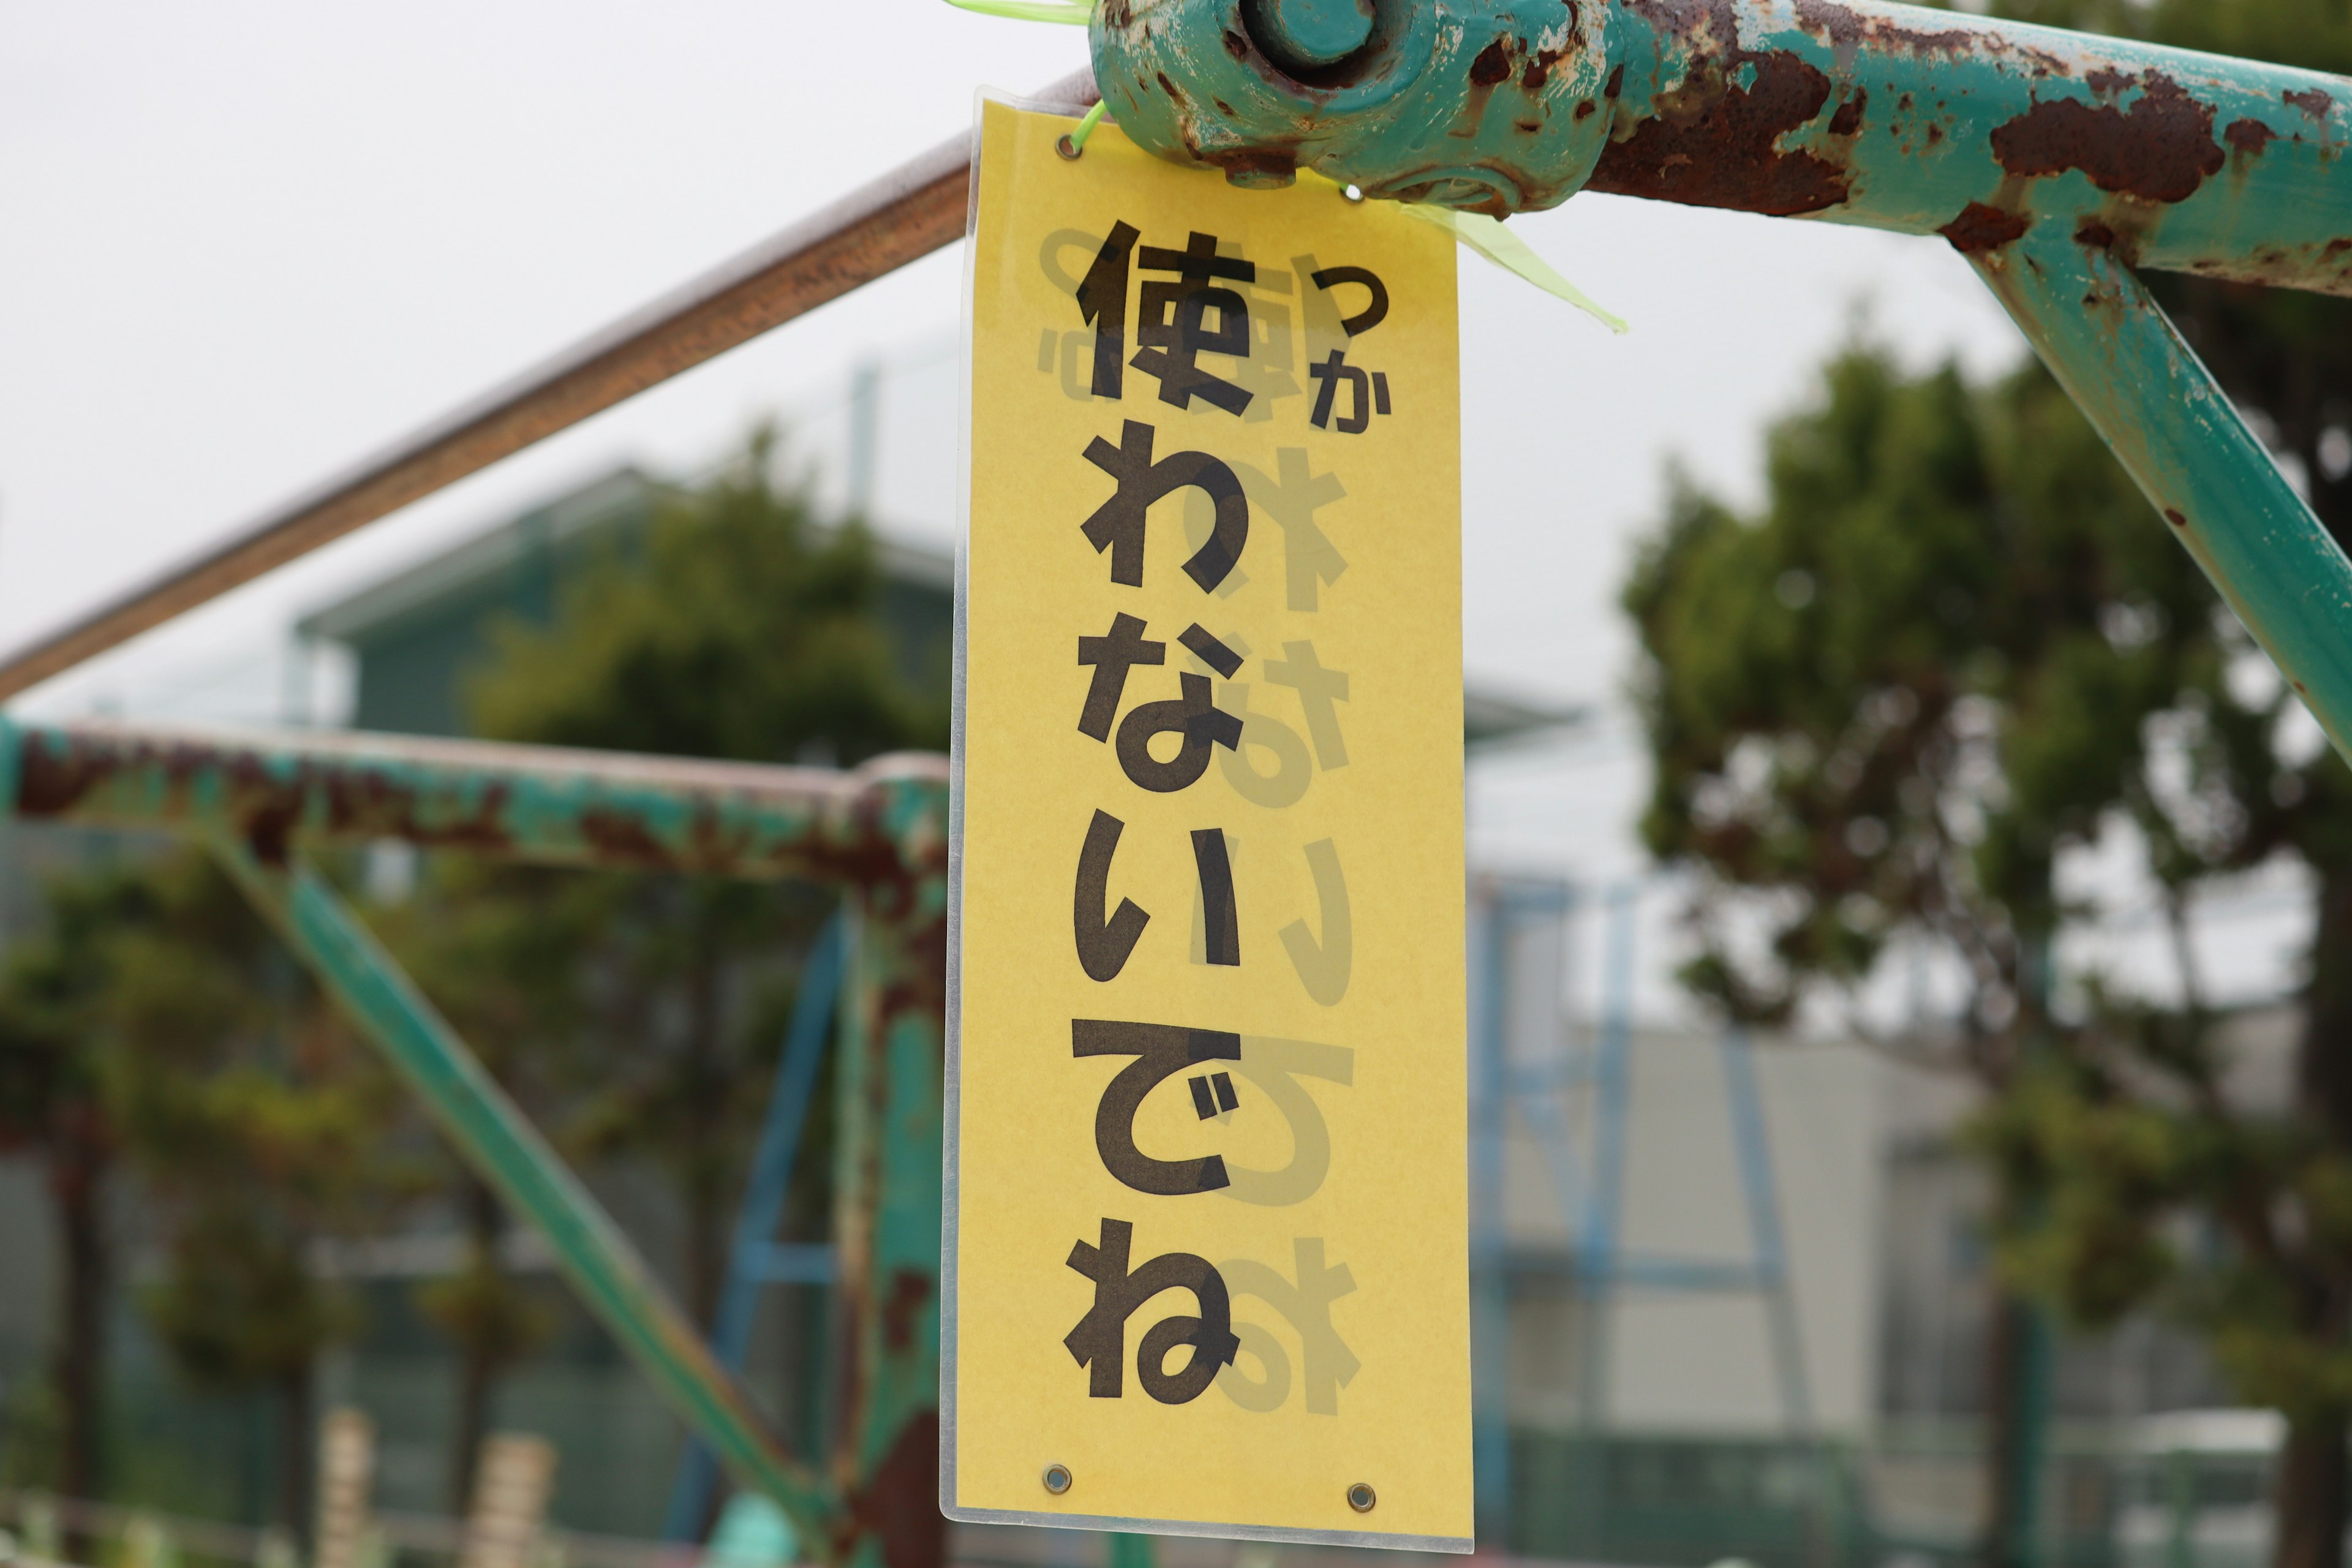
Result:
x=248 y=242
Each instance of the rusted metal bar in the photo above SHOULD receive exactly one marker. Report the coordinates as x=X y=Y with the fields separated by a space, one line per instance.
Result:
x=507 y=1152
x=1929 y=121
x=881 y=833
x=1916 y=120
x=541 y=803
x=905 y=214
x=2182 y=440
x=2057 y=162
x=887 y=1202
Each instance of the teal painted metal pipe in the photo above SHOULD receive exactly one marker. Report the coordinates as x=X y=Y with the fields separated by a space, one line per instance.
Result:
x=2057 y=162
x=888 y=1207
x=539 y=803
x=2160 y=411
x=880 y=833
x=507 y=1152
x=1931 y=122
x=1899 y=118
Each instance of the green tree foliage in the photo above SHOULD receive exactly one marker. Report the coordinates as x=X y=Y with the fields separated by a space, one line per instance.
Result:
x=2287 y=356
x=1886 y=703
x=743 y=632
x=52 y=1102
x=498 y=947
x=258 y=1122
x=1953 y=645
x=641 y=1014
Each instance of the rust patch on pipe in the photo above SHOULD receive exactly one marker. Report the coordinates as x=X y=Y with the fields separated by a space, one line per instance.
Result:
x=2249 y=136
x=272 y=802
x=1493 y=65
x=2160 y=150
x=1255 y=165
x=1711 y=141
x=1847 y=29
x=1980 y=228
x=2311 y=101
x=899 y=1503
x=621 y=837
x=1847 y=120
x=908 y=1291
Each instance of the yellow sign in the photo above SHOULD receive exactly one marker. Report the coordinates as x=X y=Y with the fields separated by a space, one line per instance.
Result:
x=1208 y=1229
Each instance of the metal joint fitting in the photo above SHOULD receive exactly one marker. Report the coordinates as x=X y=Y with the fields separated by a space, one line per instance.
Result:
x=1495 y=108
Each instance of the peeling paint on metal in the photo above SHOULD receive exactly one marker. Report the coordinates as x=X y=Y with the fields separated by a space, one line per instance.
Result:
x=1981 y=228
x=523 y=802
x=2249 y=136
x=2160 y=150
x=1778 y=108
x=1715 y=138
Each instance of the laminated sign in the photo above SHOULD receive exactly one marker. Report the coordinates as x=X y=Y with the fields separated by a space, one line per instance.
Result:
x=1207 y=1245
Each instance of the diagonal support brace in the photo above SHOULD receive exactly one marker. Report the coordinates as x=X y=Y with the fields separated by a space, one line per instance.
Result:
x=2174 y=430
x=503 y=1147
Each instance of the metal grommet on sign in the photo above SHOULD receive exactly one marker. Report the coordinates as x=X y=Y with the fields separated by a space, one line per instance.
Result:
x=1362 y=1497
x=1057 y=1479
x=1353 y=193
x=1073 y=142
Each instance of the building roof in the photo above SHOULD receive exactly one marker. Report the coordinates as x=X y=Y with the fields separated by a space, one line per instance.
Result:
x=388 y=609
x=1490 y=715
x=491 y=554
x=624 y=493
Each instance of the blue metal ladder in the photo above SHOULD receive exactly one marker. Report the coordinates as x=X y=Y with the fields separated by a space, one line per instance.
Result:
x=759 y=1258
x=1591 y=1188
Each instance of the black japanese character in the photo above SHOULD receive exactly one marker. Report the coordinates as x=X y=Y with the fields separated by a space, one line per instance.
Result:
x=1112 y=654
x=1205 y=648
x=1221 y=919
x=1103 y=944
x=1172 y=323
x=1213 y=1095
x=1102 y=302
x=1368 y=396
x=1118 y=524
x=1161 y=1051
x=1199 y=719
x=1099 y=1342
x=1364 y=320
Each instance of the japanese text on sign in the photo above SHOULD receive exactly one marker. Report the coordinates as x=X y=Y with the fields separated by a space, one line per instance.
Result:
x=1208 y=1233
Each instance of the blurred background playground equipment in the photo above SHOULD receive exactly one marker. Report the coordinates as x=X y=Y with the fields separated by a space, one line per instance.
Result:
x=1733 y=1287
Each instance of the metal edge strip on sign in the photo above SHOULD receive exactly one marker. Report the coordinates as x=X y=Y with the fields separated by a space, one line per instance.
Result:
x=875 y=229
x=1056 y=100
x=1279 y=1534
x=951 y=1013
